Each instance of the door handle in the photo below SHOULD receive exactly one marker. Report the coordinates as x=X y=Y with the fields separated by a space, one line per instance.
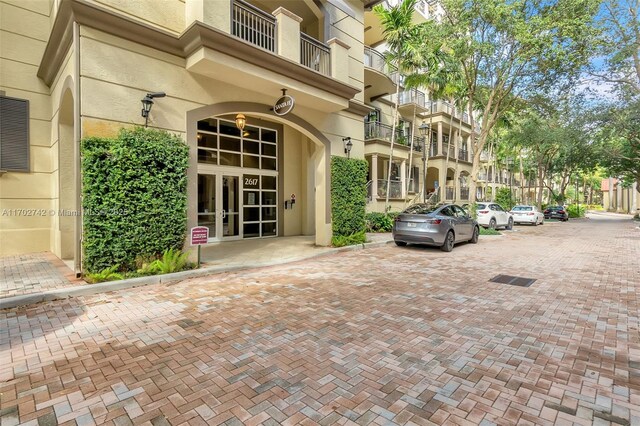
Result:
x=224 y=214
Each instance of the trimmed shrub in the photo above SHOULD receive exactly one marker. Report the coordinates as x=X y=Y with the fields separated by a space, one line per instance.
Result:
x=348 y=199
x=504 y=198
x=134 y=197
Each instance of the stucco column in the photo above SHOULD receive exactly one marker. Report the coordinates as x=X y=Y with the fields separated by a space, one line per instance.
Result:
x=339 y=59
x=440 y=151
x=442 y=177
x=217 y=14
x=323 y=214
x=610 y=201
x=374 y=177
x=634 y=198
x=288 y=32
x=403 y=178
x=619 y=191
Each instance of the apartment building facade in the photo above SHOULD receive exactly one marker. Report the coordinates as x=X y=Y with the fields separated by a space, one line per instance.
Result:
x=81 y=68
x=431 y=134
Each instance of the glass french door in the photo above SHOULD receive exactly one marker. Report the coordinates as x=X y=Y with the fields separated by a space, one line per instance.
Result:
x=230 y=206
x=219 y=205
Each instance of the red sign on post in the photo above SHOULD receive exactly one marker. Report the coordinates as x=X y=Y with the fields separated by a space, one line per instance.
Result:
x=199 y=235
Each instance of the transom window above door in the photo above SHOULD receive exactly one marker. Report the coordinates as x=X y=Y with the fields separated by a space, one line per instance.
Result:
x=221 y=143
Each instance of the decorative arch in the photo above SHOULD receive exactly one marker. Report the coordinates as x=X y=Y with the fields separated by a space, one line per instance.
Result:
x=257 y=110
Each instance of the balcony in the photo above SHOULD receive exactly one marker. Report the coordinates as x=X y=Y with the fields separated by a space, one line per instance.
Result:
x=412 y=102
x=395 y=189
x=464 y=194
x=315 y=54
x=374 y=130
x=449 y=193
x=246 y=46
x=442 y=107
x=463 y=155
x=379 y=78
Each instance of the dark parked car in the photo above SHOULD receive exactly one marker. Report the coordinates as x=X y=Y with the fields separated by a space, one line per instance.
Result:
x=556 y=212
x=442 y=225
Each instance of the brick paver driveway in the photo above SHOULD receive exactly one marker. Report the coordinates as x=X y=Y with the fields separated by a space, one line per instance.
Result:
x=388 y=336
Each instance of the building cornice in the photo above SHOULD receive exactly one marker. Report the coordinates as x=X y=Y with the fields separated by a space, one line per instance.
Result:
x=196 y=36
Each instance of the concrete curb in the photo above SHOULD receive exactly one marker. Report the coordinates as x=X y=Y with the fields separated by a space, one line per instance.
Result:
x=90 y=289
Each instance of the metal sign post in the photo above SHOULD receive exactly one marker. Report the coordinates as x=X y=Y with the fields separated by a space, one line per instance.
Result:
x=199 y=236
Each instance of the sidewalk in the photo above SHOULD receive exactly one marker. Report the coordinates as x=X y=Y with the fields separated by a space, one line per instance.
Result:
x=37 y=277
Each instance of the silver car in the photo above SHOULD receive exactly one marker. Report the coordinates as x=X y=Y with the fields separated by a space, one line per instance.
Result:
x=442 y=225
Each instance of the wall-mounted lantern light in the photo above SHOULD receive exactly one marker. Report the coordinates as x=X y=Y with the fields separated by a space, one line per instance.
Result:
x=347 y=145
x=147 y=103
x=241 y=121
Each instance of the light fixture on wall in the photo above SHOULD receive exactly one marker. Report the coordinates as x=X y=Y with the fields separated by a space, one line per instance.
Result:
x=347 y=145
x=147 y=103
x=241 y=121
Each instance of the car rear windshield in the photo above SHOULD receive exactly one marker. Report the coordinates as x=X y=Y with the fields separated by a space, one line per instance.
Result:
x=556 y=208
x=522 y=208
x=419 y=209
x=481 y=206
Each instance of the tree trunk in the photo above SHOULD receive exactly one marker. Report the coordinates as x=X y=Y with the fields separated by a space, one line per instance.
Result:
x=393 y=137
x=413 y=126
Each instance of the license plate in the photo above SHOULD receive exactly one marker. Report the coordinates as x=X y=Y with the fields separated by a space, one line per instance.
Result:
x=411 y=225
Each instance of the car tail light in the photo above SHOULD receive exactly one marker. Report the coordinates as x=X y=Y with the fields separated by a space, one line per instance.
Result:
x=561 y=211
x=546 y=211
x=483 y=211
x=435 y=221
x=531 y=213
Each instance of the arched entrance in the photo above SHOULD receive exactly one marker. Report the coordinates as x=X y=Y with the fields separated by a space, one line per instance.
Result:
x=67 y=191
x=242 y=184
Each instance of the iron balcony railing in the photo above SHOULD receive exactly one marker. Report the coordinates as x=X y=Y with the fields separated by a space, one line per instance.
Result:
x=412 y=97
x=377 y=130
x=315 y=54
x=375 y=60
x=464 y=193
x=395 y=188
x=254 y=25
x=449 y=193
x=463 y=155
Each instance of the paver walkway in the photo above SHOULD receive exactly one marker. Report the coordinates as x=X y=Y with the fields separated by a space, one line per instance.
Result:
x=382 y=336
x=33 y=273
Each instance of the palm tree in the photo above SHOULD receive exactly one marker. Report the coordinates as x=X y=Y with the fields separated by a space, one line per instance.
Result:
x=399 y=33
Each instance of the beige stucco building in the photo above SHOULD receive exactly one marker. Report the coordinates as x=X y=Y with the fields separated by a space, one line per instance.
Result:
x=620 y=199
x=85 y=65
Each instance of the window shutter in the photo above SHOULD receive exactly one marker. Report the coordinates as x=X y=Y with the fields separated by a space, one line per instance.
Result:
x=14 y=134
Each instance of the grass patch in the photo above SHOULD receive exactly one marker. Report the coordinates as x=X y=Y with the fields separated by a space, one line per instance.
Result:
x=489 y=231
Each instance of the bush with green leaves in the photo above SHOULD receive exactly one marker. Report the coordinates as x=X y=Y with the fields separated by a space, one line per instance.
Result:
x=573 y=211
x=348 y=199
x=505 y=198
x=134 y=197
x=172 y=260
x=379 y=222
x=107 y=274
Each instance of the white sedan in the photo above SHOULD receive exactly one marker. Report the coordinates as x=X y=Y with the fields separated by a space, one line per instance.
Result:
x=491 y=215
x=527 y=214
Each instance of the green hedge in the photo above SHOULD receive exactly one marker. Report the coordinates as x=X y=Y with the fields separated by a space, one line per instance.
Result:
x=348 y=199
x=573 y=211
x=134 y=202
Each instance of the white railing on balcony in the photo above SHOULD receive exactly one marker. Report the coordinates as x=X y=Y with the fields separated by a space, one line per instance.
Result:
x=254 y=25
x=315 y=54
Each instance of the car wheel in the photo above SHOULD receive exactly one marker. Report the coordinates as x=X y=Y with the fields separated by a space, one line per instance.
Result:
x=449 y=241
x=400 y=243
x=542 y=222
x=509 y=226
x=492 y=224
x=474 y=236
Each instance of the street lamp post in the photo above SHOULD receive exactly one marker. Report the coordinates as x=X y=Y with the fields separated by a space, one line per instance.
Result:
x=423 y=132
x=509 y=164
